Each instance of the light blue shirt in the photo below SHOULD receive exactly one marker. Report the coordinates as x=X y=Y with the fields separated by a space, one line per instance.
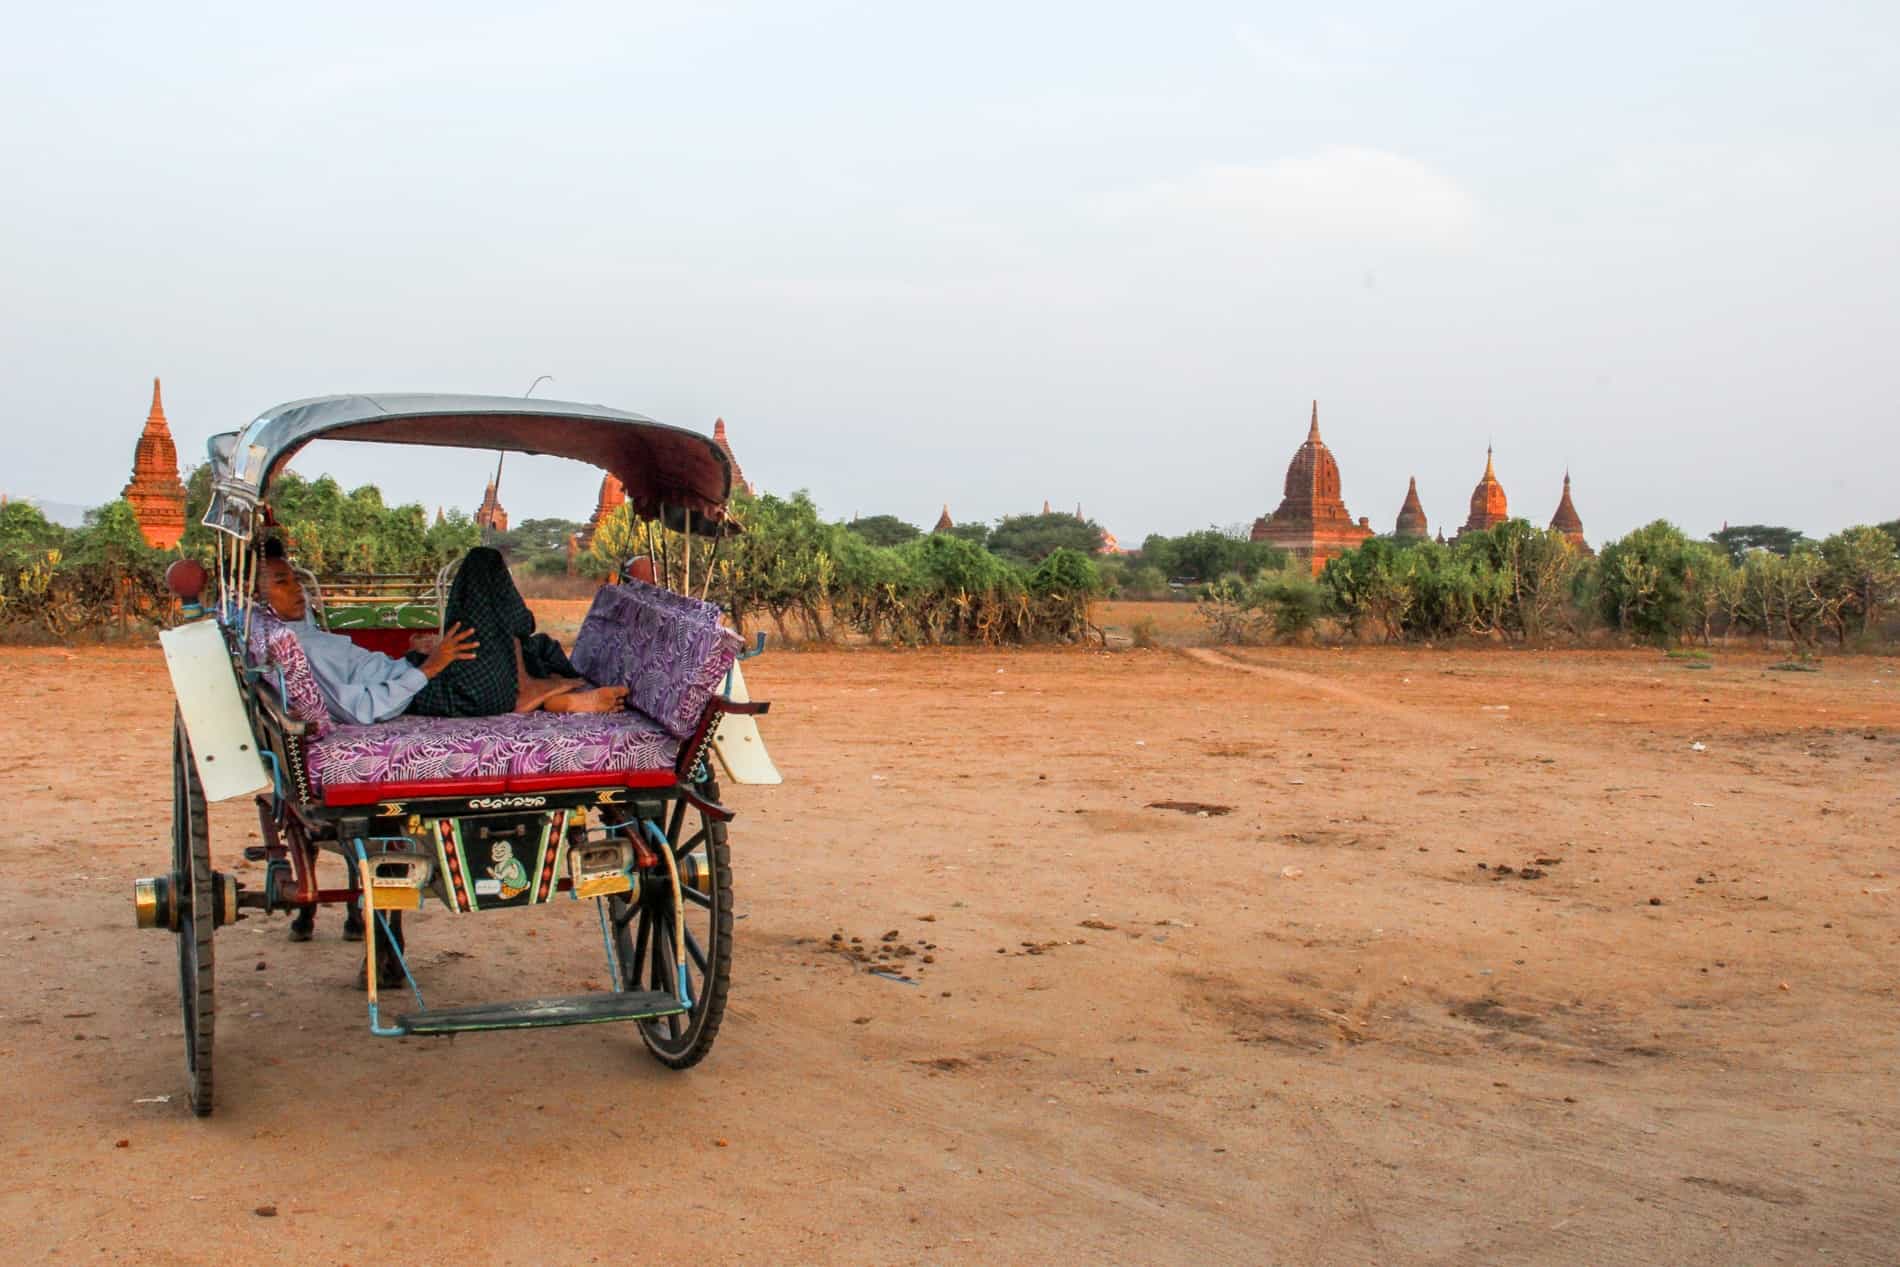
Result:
x=358 y=684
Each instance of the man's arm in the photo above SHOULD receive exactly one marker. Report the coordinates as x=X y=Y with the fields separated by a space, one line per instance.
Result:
x=359 y=685
x=366 y=686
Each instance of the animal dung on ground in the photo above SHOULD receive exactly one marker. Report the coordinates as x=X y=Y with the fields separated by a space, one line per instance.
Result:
x=1198 y=808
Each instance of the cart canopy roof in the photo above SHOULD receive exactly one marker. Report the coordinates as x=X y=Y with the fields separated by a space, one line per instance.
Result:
x=662 y=466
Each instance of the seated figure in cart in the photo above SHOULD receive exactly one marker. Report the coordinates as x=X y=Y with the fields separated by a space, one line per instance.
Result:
x=456 y=775
x=444 y=675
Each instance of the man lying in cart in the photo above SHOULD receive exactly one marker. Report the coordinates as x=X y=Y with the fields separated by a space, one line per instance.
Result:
x=446 y=675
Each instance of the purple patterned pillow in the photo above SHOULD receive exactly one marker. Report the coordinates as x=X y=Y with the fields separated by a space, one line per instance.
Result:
x=273 y=645
x=667 y=649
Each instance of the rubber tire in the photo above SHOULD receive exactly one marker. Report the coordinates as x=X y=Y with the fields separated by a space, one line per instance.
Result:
x=709 y=1005
x=192 y=883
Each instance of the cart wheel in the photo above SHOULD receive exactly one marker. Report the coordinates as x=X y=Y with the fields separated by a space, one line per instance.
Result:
x=192 y=882
x=643 y=937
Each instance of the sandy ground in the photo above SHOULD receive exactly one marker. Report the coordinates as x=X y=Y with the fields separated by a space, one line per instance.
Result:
x=1326 y=1027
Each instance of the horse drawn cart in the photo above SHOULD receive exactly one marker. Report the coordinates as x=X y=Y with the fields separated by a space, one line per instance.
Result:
x=477 y=814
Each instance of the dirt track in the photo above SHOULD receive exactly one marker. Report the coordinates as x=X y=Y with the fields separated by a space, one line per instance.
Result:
x=1313 y=1030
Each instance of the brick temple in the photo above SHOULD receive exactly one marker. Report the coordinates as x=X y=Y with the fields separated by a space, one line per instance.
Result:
x=489 y=516
x=156 y=494
x=1568 y=522
x=1411 y=523
x=1311 y=521
x=1489 y=507
x=739 y=480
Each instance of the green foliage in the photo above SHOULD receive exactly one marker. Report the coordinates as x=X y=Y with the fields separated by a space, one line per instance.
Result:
x=99 y=578
x=884 y=530
x=1033 y=538
x=27 y=536
x=1892 y=529
x=111 y=540
x=1293 y=601
x=975 y=534
x=1211 y=553
x=330 y=531
x=1738 y=539
x=537 y=546
x=1646 y=581
x=1860 y=575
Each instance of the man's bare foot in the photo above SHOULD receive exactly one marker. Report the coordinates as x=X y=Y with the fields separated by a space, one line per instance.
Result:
x=601 y=699
x=535 y=692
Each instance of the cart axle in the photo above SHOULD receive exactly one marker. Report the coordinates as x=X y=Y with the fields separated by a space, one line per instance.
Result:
x=155 y=900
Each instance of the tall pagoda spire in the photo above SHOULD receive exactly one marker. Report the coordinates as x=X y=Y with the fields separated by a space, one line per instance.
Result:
x=1411 y=523
x=156 y=494
x=725 y=446
x=1567 y=521
x=489 y=515
x=944 y=522
x=1311 y=520
x=1489 y=507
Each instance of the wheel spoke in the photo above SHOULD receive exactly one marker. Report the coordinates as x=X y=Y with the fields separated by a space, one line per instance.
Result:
x=694 y=951
x=694 y=896
x=691 y=843
x=632 y=967
x=678 y=820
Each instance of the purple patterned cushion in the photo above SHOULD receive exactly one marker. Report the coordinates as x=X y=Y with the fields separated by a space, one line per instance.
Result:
x=410 y=749
x=273 y=645
x=668 y=650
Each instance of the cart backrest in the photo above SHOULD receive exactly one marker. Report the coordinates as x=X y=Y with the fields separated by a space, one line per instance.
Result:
x=273 y=647
x=667 y=649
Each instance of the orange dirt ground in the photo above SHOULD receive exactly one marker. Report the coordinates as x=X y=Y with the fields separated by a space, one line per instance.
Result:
x=1322 y=1028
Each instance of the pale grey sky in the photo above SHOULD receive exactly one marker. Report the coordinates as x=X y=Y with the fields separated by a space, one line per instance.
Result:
x=986 y=253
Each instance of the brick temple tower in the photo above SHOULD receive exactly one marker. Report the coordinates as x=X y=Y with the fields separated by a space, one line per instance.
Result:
x=1312 y=521
x=1568 y=522
x=1411 y=525
x=725 y=446
x=1488 y=506
x=613 y=495
x=489 y=516
x=944 y=522
x=156 y=493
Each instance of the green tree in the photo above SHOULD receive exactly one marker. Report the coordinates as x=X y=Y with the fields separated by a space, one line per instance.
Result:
x=1860 y=575
x=1033 y=538
x=976 y=534
x=1369 y=587
x=26 y=535
x=1211 y=553
x=1738 y=539
x=884 y=530
x=1648 y=582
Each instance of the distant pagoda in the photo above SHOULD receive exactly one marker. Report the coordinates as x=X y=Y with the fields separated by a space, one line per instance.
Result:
x=944 y=522
x=1312 y=521
x=725 y=446
x=613 y=495
x=156 y=494
x=1411 y=525
x=1488 y=505
x=489 y=516
x=1568 y=522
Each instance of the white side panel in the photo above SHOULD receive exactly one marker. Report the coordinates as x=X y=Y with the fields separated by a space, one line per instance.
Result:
x=208 y=699
x=738 y=744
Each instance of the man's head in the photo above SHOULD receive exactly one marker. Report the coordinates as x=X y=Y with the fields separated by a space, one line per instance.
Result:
x=277 y=583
